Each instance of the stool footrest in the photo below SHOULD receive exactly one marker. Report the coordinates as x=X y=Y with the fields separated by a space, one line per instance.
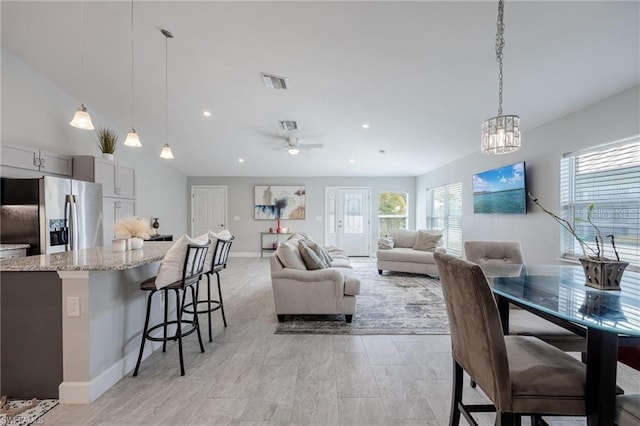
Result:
x=215 y=305
x=174 y=336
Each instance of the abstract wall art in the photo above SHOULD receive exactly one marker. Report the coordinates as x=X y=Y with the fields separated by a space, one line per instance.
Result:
x=284 y=202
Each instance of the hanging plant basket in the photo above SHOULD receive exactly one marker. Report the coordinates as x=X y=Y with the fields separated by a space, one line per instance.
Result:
x=603 y=274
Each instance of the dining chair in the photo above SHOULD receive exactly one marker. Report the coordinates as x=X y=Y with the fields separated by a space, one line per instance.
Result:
x=628 y=410
x=217 y=264
x=521 y=322
x=192 y=270
x=521 y=375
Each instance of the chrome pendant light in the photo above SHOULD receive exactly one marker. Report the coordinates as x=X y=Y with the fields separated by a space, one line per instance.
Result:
x=132 y=138
x=166 y=149
x=500 y=134
x=82 y=119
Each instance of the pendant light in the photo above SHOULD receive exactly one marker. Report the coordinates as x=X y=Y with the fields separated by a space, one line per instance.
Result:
x=500 y=134
x=82 y=119
x=166 y=149
x=132 y=138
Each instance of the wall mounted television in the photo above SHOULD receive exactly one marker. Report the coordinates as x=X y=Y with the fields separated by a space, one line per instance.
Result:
x=500 y=190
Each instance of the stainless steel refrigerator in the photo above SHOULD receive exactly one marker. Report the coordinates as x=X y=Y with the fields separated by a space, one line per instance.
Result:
x=51 y=214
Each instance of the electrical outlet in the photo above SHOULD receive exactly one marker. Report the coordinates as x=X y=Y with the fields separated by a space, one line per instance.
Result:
x=73 y=306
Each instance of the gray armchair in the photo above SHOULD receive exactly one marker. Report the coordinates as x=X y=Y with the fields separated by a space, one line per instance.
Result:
x=521 y=322
x=521 y=375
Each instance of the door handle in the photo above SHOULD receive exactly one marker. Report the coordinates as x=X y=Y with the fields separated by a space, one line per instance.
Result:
x=68 y=221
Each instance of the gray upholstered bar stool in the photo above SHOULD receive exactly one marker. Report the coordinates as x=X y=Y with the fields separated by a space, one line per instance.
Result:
x=192 y=271
x=217 y=264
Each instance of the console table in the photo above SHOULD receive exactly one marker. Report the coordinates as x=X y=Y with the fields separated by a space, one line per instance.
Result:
x=160 y=237
x=272 y=240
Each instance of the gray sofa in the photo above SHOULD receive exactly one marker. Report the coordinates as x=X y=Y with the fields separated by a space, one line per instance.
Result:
x=299 y=291
x=408 y=254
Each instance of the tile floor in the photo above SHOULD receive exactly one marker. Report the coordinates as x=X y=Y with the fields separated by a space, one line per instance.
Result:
x=248 y=375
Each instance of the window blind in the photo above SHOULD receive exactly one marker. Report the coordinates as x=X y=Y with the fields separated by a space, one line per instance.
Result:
x=609 y=178
x=445 y=214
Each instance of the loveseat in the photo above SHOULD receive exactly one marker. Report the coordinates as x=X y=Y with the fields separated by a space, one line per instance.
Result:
x=403 y=250
x=299 y=290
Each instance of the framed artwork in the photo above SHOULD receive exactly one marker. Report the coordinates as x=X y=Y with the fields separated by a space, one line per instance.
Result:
x=284 y=202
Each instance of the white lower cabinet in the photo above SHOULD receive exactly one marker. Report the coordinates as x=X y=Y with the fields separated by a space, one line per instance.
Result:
x=112 y=210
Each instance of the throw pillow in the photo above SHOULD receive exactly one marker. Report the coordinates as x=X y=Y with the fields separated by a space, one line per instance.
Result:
x=222 y=235
x=319 y=251
x=403 y=237
x=172 y=264
x=427 y=241
x=290 y=256
x=310 y=258
x=385 y=243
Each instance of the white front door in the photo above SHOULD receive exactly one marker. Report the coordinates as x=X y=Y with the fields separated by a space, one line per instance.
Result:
x=348 y=219
x=208 y=209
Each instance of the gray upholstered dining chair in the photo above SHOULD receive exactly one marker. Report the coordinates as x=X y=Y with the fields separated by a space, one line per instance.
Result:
x=521 y=375
x=628 y=410
x=521 y=322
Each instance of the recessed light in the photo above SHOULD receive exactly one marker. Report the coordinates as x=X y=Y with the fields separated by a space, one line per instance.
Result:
x=206 y=113
x=365 y=126
x=240 y=160
x=352 y=161
x=382 y=151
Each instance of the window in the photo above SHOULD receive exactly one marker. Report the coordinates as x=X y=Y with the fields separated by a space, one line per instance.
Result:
x=444 y=212
x=609 y=178
x=392 y=211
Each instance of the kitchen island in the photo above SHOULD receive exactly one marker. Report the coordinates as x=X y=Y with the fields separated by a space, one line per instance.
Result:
x=72 y=322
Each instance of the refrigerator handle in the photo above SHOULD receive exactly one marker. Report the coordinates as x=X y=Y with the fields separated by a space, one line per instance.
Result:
x=68 y=220
x=74 y=224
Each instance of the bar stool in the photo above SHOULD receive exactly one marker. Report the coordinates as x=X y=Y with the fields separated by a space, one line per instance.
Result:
x=218 y=263
x=191 y=273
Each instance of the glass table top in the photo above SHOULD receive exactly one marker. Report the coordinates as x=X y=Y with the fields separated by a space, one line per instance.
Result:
x=560 y=290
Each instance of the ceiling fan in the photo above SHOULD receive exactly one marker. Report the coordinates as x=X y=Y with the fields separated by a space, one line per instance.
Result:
x=294 y=145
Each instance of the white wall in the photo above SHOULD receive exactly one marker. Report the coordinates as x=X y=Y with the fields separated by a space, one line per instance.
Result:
x=610 y=120
x=240 y=194
x=36 y=113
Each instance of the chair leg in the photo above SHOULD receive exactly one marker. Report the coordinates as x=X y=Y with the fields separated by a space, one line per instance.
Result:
x=166 y=314
x=280 y=318
x=472 y=383
x=456 y=394
x=348 y=318
x=179 y=329
x=507 y=419
x=144 y=334
x=196 y=321
x=209 y=304
x=224 y=319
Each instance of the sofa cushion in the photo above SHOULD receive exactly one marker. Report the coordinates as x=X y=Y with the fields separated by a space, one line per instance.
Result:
x=403 y=237
x=427 y=240
x=400 y=254
x=289 y=255
x=311 y=260
x=322 y=253
x=385 y=243
x=340 y=263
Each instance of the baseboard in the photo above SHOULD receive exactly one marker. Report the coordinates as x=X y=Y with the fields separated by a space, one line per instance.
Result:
x=87 y=392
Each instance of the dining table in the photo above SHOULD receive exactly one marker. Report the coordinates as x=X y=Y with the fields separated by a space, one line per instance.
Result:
x=608 y=319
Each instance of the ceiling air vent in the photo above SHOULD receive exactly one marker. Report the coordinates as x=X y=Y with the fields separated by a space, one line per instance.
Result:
x=273 y=82
x=289 y=125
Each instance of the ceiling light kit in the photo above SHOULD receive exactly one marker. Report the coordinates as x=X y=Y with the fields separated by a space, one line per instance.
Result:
x=166 y=149
x=132 y=138
x=82 y=119
x=500 y=134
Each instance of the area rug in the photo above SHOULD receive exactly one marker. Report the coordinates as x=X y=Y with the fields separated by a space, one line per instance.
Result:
x=393 y=303
x=22 y=412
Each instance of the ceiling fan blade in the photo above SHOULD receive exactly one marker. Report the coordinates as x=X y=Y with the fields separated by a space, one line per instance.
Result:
x=312 y=145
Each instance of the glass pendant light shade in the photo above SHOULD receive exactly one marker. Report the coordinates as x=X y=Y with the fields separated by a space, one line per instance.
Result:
x=132 y=139
x=166 y=152
x=293 y=151
x=501 y=135
x=82 y=119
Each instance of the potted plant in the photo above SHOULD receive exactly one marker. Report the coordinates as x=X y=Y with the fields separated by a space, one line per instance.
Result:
x=107 y=142
x=600 y=272
x=136 y=228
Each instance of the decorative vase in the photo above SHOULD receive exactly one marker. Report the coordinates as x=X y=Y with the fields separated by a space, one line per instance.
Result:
x=136 y=243
x=155 y=225
x=603 y=274
x=107 y=156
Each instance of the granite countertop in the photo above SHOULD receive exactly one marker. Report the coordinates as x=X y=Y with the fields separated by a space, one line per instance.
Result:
x=4 y=247
x=94 y=259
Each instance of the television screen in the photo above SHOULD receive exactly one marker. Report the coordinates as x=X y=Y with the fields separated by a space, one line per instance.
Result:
x=500 y=190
